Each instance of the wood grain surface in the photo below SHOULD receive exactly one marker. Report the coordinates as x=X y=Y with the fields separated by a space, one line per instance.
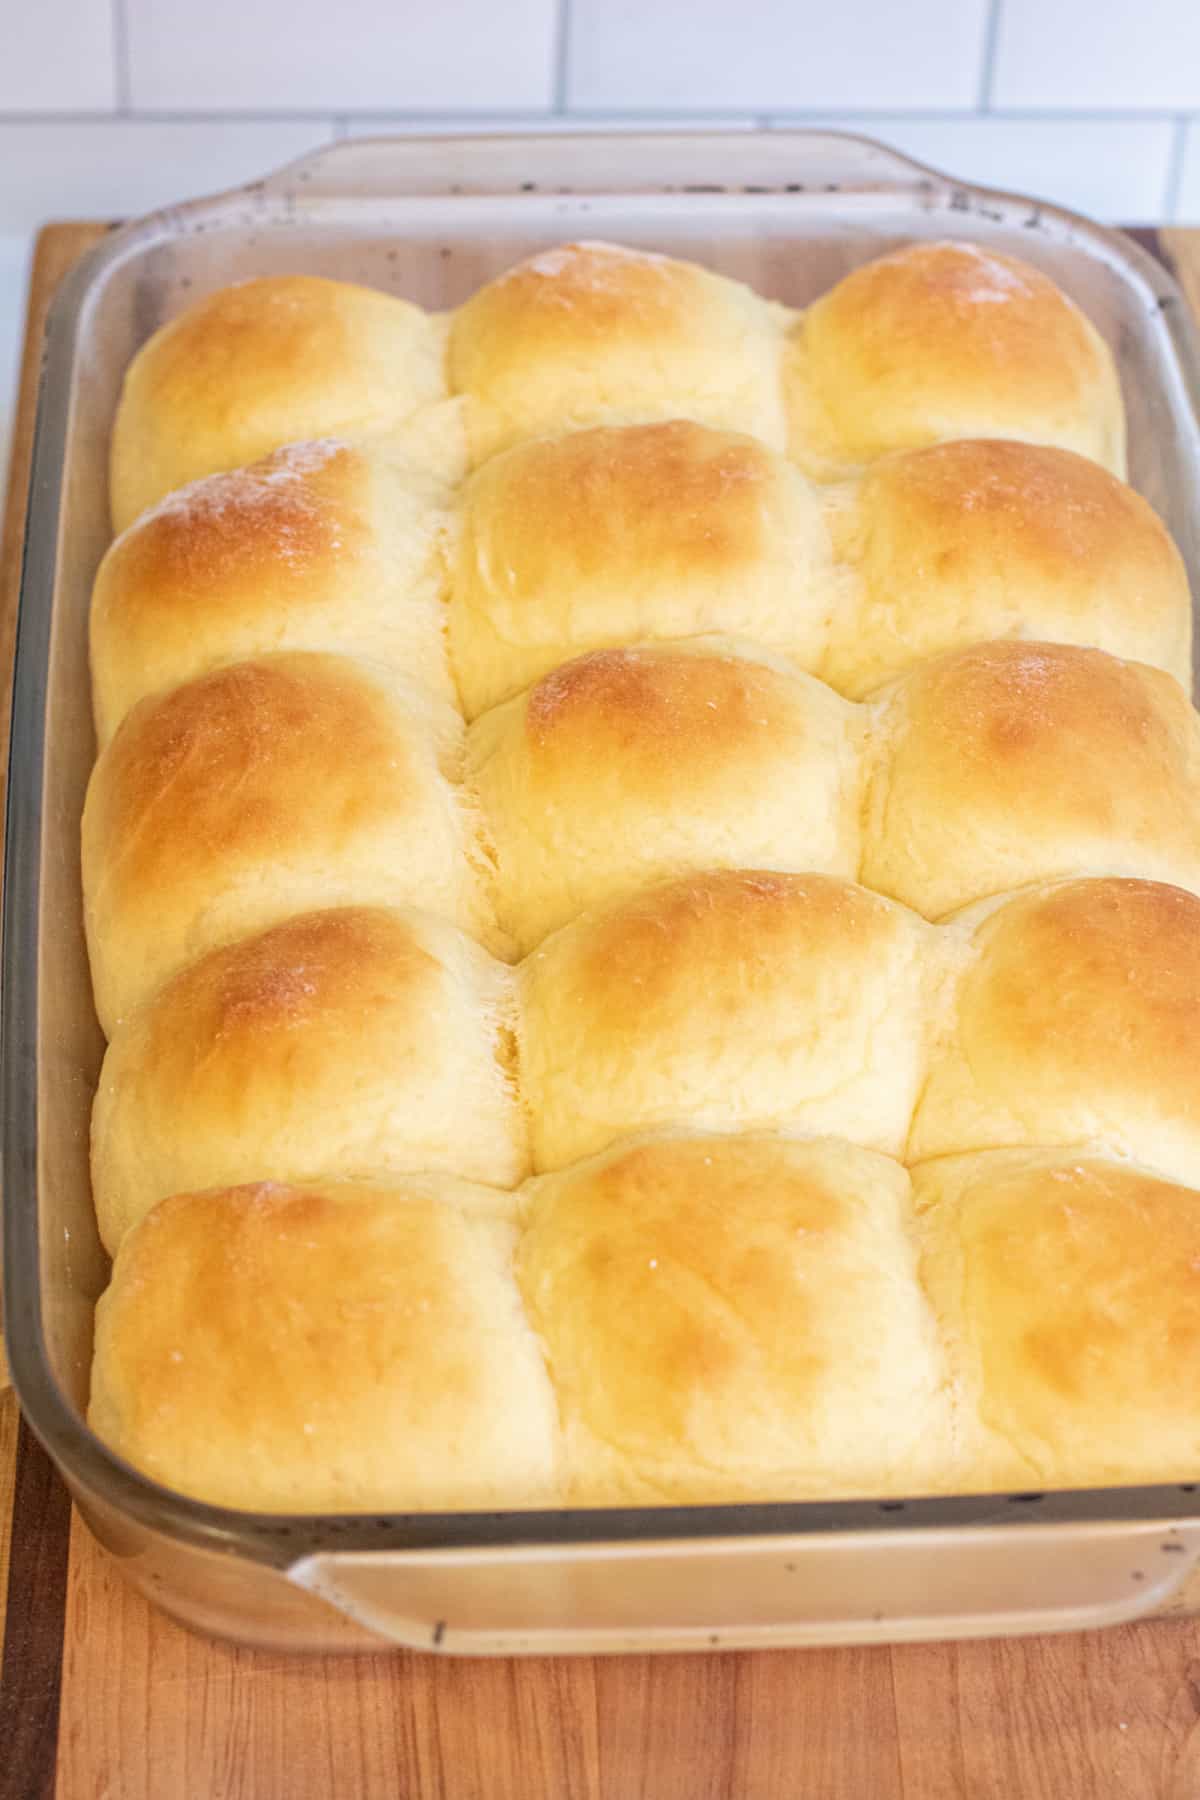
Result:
x=103 y=1699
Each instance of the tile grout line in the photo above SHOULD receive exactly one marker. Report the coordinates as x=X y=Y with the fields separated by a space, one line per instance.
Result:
x=532 y=116
x=562 y=55
x=991 y=36
x=1174 y=179
x=122 y=68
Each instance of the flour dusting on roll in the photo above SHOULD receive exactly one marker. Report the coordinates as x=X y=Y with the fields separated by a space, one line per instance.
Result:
x=265 y=363
x=592 y=332
x=321 y=546
x=947 y=340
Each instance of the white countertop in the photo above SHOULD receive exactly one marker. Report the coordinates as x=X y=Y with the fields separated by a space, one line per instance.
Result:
x=14 y=275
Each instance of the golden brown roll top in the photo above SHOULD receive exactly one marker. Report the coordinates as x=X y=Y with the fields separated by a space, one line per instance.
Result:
x=660 y=533
x=734 y=1319
x=327 y=1348
x=947 y=340
x=1011 y=762
x=685 y=1318
x=261 y=364
x=1067 y=1293
x=262 y=790
x=627 y=766
x=988 y=769
x=321 y=546
x=982 y=539
x=586 y=333
x=1076 y=1019
x=357 y=1040
x=728 y=1000
x=632 y=534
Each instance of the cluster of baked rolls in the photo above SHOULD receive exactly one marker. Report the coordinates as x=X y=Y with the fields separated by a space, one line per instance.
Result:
x=643 y=883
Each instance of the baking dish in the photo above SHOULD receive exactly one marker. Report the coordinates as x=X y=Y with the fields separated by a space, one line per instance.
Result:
x=432 y=219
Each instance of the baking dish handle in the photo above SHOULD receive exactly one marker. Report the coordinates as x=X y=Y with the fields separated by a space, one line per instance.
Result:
x=701 y=163
x=854 y=1588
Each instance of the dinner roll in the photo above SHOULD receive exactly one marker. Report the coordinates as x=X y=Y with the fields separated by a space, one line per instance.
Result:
x=628 y=535
x=626 y=766
x=1067 y=1289
x=588 y=333
x=963 y=542
x=260 y=790
x=261 y=364
x=1010 y=763
x=735 y=1318
x=360 y=1040
x=945 y=340
x=323 y=546
x=1077 y=1019
x=327 y=1348
x=728 y=1000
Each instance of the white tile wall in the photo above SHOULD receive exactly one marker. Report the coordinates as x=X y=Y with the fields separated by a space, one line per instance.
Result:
x=1114 y=168
x=14 y=265
x=105 y=168
x=1112 y=53
x=110 y=106
x=57 y=56
x=774 y=53
x=293 y=55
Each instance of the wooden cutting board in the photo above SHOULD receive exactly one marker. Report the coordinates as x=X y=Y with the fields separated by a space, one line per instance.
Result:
x=103 y=1699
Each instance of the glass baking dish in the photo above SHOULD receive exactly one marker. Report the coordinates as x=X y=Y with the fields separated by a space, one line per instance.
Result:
x=789 y=213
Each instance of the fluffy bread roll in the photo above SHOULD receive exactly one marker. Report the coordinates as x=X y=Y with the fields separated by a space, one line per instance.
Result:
x=1067 y=1290
x=589 y=333
x=633 y=534
x=947 y=340
x=261 y=364
x=321 y=546
x=1077 y=1019
x=983 y=539
x=735 y=1318
x=262 y=790
x=728 y=1000
x=360 y=1040
x=330 y=1348
x=579 y=779
x=1011 y=763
